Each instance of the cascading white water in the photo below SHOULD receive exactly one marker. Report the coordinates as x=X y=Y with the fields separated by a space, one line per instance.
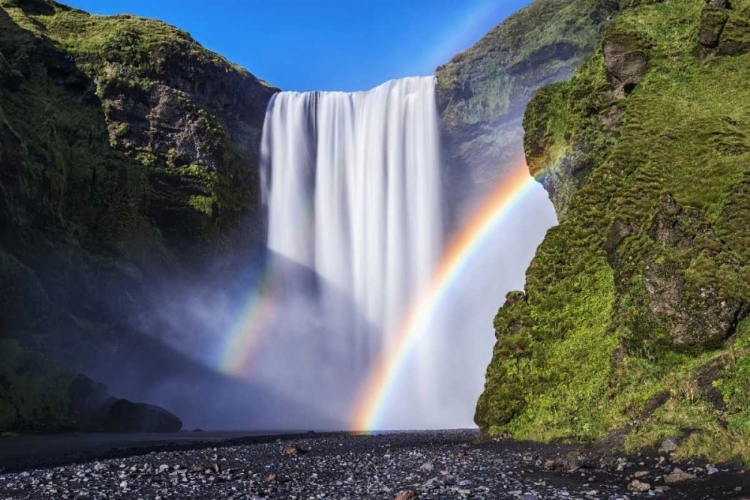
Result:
x=352 y=186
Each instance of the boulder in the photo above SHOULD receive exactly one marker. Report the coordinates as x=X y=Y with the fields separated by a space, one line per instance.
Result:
x=625 y=59
x=638 y=487
x=125 y=416
x=678 y=476
x=407 y=495
x=668 y=446
x=712 y=24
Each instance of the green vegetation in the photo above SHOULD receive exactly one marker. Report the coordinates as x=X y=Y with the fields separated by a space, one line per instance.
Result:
x=36 y=396
x=634 y=311
x=127 y=152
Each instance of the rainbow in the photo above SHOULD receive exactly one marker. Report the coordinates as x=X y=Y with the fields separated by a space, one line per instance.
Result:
x=249 y=330
x=463 y=31
x=457 y=256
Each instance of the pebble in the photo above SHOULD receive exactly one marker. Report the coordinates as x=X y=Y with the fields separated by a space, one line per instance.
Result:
x=445 y=465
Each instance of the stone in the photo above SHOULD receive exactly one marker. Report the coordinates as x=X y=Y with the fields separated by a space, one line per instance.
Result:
x=711 y=470
x=735 y=37
x=126 y=416
x=406 y=495
x=719 y=4
x=640 y=474
x=431 y=484
x=668 y=446
x=638 y=487
x=711 y=25
x=290 y=450
x=678 y=476
x=625 y=60
x=427 y=467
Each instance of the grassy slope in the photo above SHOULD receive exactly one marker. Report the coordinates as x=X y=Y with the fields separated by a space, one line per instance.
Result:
x=583 y=353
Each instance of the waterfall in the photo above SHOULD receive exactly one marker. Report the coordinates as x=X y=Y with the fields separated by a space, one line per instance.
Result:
x=351 y=182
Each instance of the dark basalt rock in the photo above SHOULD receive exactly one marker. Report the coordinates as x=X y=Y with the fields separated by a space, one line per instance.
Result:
x=625 y=59
x=723 y=31
x=712 y=24
x=694 y=314
x=122 y=415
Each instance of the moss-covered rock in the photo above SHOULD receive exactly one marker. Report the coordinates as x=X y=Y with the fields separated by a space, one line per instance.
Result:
x=128 y=153
x=36 y=396
x=635 y=313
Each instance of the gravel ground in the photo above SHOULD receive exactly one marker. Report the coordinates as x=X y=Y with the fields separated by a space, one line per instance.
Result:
x=407 y=466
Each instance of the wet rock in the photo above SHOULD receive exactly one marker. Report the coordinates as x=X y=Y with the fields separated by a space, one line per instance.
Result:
x=291 y=450
x=638 y=486
x=431 y=484
x=125 y=416
x=406 y=495
x=678 y=476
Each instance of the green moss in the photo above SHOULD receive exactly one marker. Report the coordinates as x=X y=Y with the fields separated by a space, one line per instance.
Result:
x=634 y=296
x=34 y=395
x=97 y=200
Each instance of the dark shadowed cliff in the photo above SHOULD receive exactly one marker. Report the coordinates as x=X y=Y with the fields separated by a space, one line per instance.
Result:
x=127 y=153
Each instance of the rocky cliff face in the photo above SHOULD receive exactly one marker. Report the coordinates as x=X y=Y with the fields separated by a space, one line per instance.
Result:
x=634 y=321
x=483 y=92
x=127 y=152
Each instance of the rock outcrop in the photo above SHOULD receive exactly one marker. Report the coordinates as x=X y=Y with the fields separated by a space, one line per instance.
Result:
x=483 y=91
x=122 y=415
x=635 y=320
x=39 y=397
x=128 y=154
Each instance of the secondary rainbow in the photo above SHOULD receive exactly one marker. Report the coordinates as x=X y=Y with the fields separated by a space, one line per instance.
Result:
x=243 y=340
x=458 y=255
x=463 y=30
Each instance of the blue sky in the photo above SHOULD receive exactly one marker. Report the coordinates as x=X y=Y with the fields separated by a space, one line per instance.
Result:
x=326 y=44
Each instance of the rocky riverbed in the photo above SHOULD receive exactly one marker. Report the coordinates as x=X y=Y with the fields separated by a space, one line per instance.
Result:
x=403 y=466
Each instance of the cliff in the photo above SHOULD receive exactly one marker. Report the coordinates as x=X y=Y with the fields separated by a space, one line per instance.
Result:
x=483 y=91
x=128 y=153
x=634 y=321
